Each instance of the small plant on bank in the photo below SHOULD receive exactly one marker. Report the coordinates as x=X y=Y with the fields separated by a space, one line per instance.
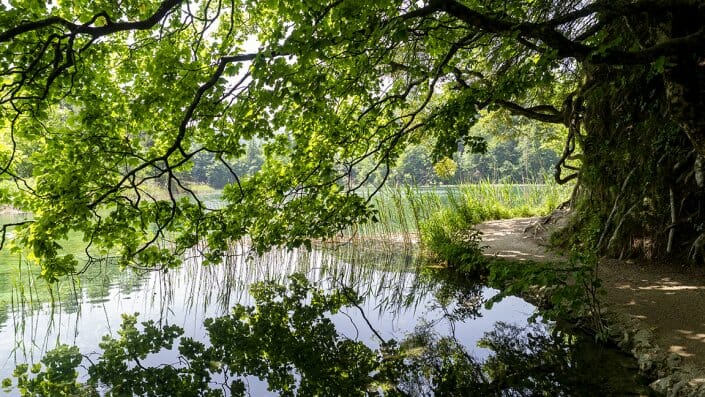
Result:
x=450 y=239
x=402 y=211
x=564 y=291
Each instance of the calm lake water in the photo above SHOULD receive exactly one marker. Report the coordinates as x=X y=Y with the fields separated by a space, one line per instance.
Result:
x=399 y=300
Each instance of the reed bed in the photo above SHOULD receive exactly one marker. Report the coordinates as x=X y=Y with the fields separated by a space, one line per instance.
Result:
x=406 y=213
x=383 y=275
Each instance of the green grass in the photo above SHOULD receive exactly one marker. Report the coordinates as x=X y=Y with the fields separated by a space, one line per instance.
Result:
x=441 y=219
x=402 y=210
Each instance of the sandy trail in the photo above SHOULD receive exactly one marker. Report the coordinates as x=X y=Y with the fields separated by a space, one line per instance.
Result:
x=665 y=298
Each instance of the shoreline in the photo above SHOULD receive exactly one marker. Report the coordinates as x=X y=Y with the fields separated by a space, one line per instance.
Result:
x=644 y=306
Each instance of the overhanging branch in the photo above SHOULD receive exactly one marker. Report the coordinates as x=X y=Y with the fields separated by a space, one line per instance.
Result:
x=544 y=113
x=550 y=37
x=95 y=31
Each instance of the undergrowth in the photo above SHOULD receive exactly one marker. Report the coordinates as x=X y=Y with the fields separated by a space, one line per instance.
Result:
x=441 y=217
x=444 y=223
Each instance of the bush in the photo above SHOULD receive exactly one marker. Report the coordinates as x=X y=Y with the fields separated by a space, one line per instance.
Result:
x=448 y=237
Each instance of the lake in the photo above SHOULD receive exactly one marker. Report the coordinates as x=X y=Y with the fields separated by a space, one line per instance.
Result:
x=400 y=299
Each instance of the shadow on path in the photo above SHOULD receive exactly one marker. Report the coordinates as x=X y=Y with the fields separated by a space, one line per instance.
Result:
x=668 y=299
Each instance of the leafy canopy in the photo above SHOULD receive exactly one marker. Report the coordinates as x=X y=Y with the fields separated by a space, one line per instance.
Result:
x=101 y=101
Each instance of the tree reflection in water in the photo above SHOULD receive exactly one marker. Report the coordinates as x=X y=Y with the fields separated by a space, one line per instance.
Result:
x=286 y=338
x=525 y=361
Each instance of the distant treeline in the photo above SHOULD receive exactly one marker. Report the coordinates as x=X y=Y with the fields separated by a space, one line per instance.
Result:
x=512 y=161
x=517 y=151
x=521 y=160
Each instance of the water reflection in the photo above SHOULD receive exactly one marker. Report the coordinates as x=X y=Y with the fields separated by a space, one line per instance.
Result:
x=402 y=302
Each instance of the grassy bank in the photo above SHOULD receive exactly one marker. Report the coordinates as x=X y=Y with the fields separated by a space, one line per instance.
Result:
x=441 y=218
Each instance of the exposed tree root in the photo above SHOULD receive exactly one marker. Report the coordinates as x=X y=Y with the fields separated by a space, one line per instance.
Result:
x=697 y=249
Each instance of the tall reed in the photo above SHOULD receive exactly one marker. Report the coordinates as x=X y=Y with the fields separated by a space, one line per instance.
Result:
x=405 y=212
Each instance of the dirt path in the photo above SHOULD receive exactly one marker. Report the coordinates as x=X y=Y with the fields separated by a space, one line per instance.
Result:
x=668 y=300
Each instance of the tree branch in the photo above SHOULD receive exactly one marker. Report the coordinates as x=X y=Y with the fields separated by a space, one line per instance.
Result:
x=544 y=113
x=95 y=31
x=547 y=34
x=5 y=226
x=509 y=27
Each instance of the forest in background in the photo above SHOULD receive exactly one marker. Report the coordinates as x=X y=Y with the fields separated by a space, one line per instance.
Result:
x=518 y=151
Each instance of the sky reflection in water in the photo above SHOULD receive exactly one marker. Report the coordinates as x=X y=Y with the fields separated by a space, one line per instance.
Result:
x=396 y=303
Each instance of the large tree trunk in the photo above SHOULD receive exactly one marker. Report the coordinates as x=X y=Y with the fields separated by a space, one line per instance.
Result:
x=644 y=150
x=685 y=82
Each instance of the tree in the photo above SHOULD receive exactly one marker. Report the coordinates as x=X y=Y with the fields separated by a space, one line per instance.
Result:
x=445 y=168
x=331 y=85
x=414 y=166
x=527 y=149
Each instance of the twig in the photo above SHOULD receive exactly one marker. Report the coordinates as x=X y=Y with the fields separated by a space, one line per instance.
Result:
x=3 y=238
x=343 y=290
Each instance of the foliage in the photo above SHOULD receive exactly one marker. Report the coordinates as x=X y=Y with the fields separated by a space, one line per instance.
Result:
x=55 y=376
x=449 y=237
x=445 y=168
x=565 y=291
x=515 y=150
x=519 y=150
x=209 y=169
x=99 y=99
x=414 y=167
